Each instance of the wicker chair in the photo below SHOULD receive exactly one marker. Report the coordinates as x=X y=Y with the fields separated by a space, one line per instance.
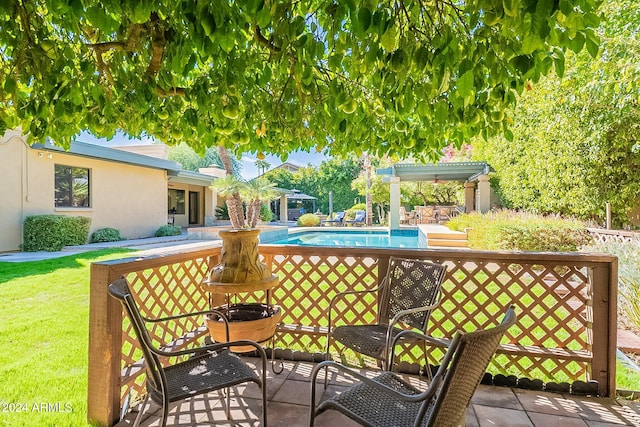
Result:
x=388 y=400
x=206 y=368
x=408 y=293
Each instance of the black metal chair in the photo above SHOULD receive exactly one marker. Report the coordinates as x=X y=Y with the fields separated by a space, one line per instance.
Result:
x=408 y=293
x=388 y=400
x=205 y=369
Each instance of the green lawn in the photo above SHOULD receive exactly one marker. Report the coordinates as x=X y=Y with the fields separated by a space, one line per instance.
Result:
x=44 y=330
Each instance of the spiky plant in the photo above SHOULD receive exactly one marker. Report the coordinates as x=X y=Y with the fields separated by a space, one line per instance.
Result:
x=256 y=192
x=230 y=187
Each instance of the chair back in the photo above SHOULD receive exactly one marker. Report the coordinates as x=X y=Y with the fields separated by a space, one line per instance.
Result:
x=339 y=216
x=427 y=211
x=410 y=283
x=155 y=374
x=473 y=352
x=360 y=216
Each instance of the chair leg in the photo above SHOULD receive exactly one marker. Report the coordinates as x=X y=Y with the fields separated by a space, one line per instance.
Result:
x=136 y=423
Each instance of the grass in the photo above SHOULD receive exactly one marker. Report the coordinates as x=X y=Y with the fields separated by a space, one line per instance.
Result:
x=45 y=330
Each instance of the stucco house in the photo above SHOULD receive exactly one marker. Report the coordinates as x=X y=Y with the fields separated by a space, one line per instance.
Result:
x=116 y=187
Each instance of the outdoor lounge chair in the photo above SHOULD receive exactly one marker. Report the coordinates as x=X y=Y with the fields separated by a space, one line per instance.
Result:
x=406 y=296
x=359 y=219
x=201 y=370
x=338 y=219
x=388 y=400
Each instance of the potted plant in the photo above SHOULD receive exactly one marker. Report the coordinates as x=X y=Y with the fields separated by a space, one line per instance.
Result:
x=241 y=269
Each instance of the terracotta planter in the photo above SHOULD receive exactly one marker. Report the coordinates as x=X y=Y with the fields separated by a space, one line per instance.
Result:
x=255 y=322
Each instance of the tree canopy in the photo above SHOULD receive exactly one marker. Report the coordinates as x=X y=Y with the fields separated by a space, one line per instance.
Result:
x=394 y=77
x=577 y=139
x=190 y=160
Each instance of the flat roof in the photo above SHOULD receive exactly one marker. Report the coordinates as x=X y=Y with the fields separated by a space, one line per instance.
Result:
x=174 y=170
x=449 y=171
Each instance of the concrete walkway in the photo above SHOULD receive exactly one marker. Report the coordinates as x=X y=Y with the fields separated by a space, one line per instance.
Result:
x=148 y=246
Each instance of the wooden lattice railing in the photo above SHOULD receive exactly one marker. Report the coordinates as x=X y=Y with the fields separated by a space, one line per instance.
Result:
x=566 y=305
x=601 y=235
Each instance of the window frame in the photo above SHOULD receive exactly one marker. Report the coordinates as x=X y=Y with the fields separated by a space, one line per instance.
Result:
x=72 y=197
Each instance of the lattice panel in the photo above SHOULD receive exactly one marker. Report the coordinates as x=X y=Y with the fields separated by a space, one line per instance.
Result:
x=160 y=292
x=551 y=301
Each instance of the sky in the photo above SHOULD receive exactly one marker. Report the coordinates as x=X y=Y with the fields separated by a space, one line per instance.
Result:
x=248 y=160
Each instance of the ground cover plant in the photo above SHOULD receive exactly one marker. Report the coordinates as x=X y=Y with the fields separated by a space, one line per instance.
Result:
x=45 y=327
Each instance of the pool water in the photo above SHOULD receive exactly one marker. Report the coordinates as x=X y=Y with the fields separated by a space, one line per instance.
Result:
x=369 y=239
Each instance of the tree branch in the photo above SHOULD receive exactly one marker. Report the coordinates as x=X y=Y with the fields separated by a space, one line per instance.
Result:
x=257 y=34
x=174 y=91
x=157 y=46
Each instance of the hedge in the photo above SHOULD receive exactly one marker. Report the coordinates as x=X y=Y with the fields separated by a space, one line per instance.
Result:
x=53 y=232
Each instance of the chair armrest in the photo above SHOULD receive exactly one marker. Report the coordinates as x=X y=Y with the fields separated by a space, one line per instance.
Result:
x=340 y=295
x=183 y=315
x=407 y=397
x=389 y=343
x=219 y=313
x=209 y=347
x=431 y=340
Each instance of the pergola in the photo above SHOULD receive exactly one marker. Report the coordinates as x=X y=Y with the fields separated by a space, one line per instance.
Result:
x=293 y=194
x=477 y=191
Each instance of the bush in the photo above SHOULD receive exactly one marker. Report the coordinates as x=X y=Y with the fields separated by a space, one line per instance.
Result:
x=308 y=220
x=222 y=212
x=628 y=254
x=53 y=232
x=168 y=230
x=509 y=230
x=265 y=213
x=106 y=235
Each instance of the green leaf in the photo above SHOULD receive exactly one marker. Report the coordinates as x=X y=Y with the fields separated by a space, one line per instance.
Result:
x=511 y=7
x=593 y=43
x=544 y=8
x=464 y=85
x=558 y=61
x=577 y=43
x=389 y=40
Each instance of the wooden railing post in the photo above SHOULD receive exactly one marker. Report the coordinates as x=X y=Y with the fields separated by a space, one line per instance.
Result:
x=604 y=290
x=105 y=349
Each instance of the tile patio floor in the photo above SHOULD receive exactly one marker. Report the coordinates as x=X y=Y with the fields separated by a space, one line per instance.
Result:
x=289 y=393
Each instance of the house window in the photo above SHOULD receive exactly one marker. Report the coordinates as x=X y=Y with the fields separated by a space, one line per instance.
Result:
x=72 y=187
x=176 y=202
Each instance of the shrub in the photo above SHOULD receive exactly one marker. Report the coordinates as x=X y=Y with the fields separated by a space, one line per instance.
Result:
x=53 y=232
x=168 y=230
x=106 y=235
x=521 y=231
x=265 y=213
x=308 y=220
x=222 y=212
x=628 y=254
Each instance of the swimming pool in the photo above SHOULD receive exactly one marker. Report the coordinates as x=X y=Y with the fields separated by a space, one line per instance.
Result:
x=347 y=238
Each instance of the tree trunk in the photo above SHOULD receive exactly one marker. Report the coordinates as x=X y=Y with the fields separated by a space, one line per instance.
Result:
x=367 y=171
x=234 y=204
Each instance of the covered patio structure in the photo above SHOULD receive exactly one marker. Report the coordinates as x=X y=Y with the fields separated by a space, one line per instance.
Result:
x=281 y=209
x=477 y=190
